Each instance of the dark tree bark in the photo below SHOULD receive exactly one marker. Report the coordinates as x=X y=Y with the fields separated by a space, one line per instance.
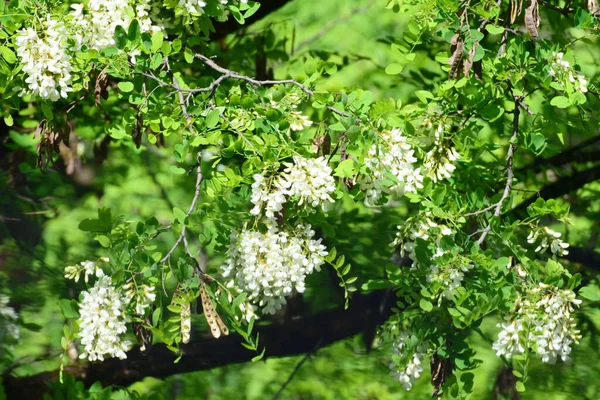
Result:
x=298 y=336
x=556 y=189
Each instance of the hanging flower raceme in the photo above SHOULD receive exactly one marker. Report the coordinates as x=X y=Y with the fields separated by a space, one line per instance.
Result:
x=9 y=330
x=271 y=265
x=422 y=227
x=448 y=272
x=142 y=295
x=45 y=60
x=439 y=160
x=391 y=168
x=102 y=321
x=412 y=369
x=550 y=239
x=542 y=322
x=88 y=268
x=563 y=73
x=309 y=181
x=94 y=23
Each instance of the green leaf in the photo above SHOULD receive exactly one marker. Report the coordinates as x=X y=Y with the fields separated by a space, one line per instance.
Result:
x=188 y=55
x=179 y=215
x=260 y=356
x=156 y=314
x=67 y=309
x=494 y=30
x=423 y=95
x=8 y=120
x=91 y=225
x=157 y=41
x=560 y=102
x=103 y=240
x=134 y=32
x=346 y=169
x=590 y=292
x=553 y=268
x=212 y=119
x=120 y=37
x=125 y=86
x=394 y=69
x=8 y=54
x=520 y=386
x=425 y=305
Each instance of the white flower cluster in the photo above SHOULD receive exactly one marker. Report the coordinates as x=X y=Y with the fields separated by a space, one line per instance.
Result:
x=9 y=331
x=509 y=339
x=308 y=180
x=563 y=73
x=393 y=156
x=143 y=295
x=298 y=121
x=87 y=267
x=271 y=265
x=438 y=161
x=102 y=321
x=46 y=55
x=449 y=274
x=45 y=60
x=413 y=369
x=422 y=228
x=542 y=322
x=550 y=239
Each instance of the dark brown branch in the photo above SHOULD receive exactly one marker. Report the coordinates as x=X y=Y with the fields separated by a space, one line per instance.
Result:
x=580 y=255
x=576 y=154
x=298 y=336
x=563 y=186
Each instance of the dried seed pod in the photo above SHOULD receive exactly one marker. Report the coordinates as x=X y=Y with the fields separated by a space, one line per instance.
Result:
x=100 y=89
x=532 y=19
x=593 y=7
x=186 y=323
x=456 y=60
x=440 y=370
x=515 y=9
x=217 y=326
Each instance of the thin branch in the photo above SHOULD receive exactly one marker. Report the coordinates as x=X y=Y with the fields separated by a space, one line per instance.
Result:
x=576 y=154
x=483 y=210
x=509 y=168
x=226 y=73
x=199 y=177
x=564 y=11
x=297 y=368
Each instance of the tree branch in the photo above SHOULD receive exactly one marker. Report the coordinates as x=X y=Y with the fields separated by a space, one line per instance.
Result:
x=226 y=73
x=584 y=256
x=298 y=336
x=563 y=186
x=575 y=154
x=192 y=206
x=509 y=169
